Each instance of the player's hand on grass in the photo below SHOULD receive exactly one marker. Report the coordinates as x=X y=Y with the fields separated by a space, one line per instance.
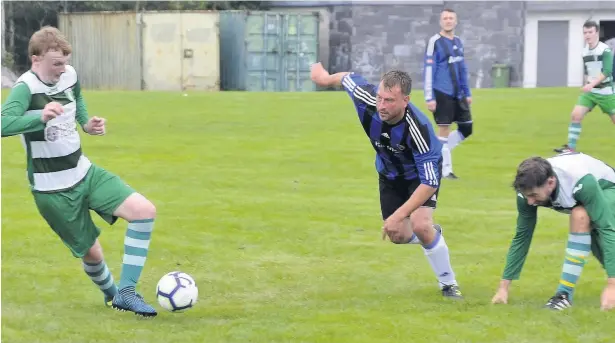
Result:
x=431 y=106
x=393 y=227
x=500 y=297
x=607 y=300
x=51 y=110
x=95 y=126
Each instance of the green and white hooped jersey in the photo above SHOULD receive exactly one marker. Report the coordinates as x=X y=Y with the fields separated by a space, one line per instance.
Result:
x=54 y=157
x=594 y=60
x=570 y=170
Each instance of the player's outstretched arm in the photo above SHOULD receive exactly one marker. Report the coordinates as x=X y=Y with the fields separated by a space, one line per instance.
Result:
x=321 y=76
x=14 y=120
x=519 y=248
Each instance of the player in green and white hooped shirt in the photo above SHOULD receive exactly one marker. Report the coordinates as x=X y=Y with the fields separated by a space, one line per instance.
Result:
x=579 y=185
x=599 y=88
x=44 y=107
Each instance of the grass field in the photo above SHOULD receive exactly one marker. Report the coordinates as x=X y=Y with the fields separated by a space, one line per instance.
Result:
x=270 y=201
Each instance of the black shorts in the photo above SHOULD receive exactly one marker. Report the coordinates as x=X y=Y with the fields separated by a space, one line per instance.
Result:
x=394 y=193
x=450 y=109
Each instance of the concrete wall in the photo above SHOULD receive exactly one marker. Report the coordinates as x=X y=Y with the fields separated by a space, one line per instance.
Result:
x=371 y=39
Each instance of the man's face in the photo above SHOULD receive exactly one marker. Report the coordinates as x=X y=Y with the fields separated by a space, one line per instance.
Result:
x=448 y=21
x=51 y=65
x=391 y=103
x=590 y=35
x=541 y=196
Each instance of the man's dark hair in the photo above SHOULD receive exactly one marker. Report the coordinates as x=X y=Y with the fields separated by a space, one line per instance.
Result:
x=397 y=78
x=531 y=173
x=590 y=23
x=449 y=10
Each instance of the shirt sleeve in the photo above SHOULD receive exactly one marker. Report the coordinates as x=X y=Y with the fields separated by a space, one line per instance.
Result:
x=361 y=91
x=464 y=84
x=520 y=245
x=426 y=154
x=588 y=192
x=429 y=71
x=14 y=118
x=82 y=112
x=607 y=62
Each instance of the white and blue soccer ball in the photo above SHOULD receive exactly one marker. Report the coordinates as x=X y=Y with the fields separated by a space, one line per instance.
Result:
x=177 y=291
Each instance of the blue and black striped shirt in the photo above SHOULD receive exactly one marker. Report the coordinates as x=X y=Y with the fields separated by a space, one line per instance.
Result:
x=445 y=68
x=407 y=150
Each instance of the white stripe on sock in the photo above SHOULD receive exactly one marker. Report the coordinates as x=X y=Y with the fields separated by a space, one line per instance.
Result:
x=136 y=243
x=133 y=260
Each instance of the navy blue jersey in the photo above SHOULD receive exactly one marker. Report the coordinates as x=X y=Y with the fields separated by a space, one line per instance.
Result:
x=407 y=150
x=445 y=68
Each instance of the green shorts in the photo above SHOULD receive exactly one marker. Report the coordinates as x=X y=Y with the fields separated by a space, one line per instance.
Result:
x=596 y=247
x=68 y=212
x=605 y=102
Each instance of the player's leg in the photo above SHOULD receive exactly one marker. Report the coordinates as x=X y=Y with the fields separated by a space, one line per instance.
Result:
x=577 y=251
x=435 y=249
x=463 y=118
x=112 y=198
x=433 y=243
x=443 y=116
x=95 y=267
x=607 y=105
x=392 y=196
x=585 y=104
x=68 y=215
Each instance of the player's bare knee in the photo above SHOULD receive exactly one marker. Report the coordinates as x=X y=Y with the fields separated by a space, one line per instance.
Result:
x=577 y=114
x=145 y=210
x=94 y=254
x=613 y=118
x=579 y=220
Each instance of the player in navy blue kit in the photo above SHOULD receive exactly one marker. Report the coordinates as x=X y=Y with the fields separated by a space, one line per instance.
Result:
x=408 y=161
x=445 y=81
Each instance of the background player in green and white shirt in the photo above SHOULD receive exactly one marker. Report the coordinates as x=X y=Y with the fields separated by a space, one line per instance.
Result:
x=583 y=187
x=44 y=108
x=599 y=89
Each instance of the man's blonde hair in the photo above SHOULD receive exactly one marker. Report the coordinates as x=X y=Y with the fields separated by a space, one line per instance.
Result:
x=46 y=39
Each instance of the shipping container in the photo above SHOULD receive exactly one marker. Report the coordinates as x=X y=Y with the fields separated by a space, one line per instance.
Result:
x=148 y=50
x=267 y=51
x=181 y=51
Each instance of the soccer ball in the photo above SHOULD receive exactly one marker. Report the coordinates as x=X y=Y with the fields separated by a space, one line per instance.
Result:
x=176 y=291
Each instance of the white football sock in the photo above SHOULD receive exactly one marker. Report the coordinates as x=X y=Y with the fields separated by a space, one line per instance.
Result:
x=447 y=160
x=438 y=257
x=454 y=138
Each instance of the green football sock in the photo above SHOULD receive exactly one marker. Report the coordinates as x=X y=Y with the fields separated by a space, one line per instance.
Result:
x=136 y=245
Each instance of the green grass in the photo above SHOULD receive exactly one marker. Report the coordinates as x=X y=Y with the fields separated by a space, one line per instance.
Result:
x=270 y=201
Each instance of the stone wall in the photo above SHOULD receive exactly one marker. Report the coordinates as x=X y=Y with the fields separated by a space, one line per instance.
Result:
x=394 y=36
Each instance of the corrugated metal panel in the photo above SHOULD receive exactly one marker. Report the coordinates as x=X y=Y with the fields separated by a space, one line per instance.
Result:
x=267 y=51
x=232 y=50
x=106 y=50
x=300 y=49
x=181 y=51
x=263 y=39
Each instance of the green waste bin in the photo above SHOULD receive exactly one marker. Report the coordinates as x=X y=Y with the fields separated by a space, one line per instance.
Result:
x=500 y=75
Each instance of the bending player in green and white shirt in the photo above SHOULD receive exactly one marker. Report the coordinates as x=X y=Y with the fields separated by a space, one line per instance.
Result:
x=44 y=108
x=599 y=88
x=579 y=185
